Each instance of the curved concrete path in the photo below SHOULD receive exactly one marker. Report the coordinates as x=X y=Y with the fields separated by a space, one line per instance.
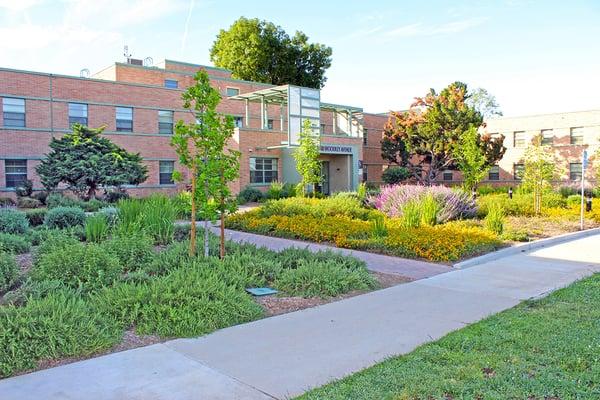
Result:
x=412 y=269
x=283 y=356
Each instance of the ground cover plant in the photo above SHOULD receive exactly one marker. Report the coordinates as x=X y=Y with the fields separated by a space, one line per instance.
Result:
x=83 y=288
x=541 y=349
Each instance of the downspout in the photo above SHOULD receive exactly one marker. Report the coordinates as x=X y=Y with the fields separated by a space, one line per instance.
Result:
x=50 y=81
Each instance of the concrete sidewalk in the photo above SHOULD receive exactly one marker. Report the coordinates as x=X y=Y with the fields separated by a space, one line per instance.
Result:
x=284 y=356
x=412 y=269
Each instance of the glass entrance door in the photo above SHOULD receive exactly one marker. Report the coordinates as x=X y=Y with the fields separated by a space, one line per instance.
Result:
x=324 y=186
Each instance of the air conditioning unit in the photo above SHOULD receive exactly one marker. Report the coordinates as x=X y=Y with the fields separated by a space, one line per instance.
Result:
x=135 y=61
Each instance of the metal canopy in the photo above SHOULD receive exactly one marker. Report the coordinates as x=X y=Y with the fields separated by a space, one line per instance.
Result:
x=277 y=94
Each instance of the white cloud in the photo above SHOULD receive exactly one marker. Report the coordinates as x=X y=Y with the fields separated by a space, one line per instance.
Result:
x=19 y=5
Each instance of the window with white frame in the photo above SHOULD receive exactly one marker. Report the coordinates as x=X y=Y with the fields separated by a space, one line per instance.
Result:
x=13 y=112
x=519 y=139
x=270 y=124
x=230 y=91
x=238 y=122
x=165 y=122
x=518 y=170
x=15 y=172
x=494 y=173
x=577 y=135
x=124 y=117
x=447 y=175
x=165 y=172
x=78 y=114
x=547 y=137
x=575 y=171
x=263 y=170
x=171 y=84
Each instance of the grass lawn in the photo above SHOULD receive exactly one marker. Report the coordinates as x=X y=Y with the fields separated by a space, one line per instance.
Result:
x=542 y=349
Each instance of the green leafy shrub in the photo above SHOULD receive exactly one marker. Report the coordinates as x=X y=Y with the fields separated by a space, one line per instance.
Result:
x=64 y=217
x=114 y=196
x=36 y=216
x=323 y=279
x=337 y=205
x=110 y=213
x=88 y=267
x=92 y=205
x=41 y=195
x=515 y=235
x=129 y=220
x=96 y=228
x=14 y=243
x=250 y=194
x=573 y=200
x=566 y=191
x=28 y=202
x=158 y=218
x=411 y=215
x=190 y=301
x=59 y=325
x=133 y=251
x=394 y=175
x=520 y=204
x=31 y=289
x=52 y=239
x=13 y=221
x=430 y=208
x=25 y=188
x=6 y=202
x=181 y=232
x=182 y=203
x=9 y=271
x=378 y=228
x=58 y=200
x=494 y=220
x=275 y=191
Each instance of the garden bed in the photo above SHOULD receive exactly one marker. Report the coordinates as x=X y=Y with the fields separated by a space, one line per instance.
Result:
x=86 y=286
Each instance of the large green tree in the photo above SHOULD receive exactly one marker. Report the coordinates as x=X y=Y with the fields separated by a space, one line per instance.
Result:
x=484 y=102
x=539 y=170
x=470 y=159
x=426 y=137
x=261 y=51
x=307 y=158
x=84 y=160
x=202 y=149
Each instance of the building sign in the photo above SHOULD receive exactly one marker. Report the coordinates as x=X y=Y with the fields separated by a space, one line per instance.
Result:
x=326 y=148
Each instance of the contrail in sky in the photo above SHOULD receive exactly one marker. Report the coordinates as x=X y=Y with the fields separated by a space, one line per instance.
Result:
x=187 y=26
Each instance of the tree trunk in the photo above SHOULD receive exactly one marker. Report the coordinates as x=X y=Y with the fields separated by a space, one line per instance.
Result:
x=193 y=226
x=222 y=245
x=91 y=193
x=205 y=221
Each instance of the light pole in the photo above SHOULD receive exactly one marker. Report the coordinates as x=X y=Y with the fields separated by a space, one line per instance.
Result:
x=583 y=166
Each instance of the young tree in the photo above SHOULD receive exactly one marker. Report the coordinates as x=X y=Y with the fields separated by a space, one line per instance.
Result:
x=425 y=138
x=470 y=159
x=307 y=157
x=539 y=171
x=261 y=51
x=484 y=102
x=202 y=149
x=85 y=161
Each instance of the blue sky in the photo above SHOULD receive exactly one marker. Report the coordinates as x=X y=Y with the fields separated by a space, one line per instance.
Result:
x=534 y=56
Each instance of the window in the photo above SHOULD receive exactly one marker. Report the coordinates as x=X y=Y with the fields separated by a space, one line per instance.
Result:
x=494 y=173
x=230 y=91
x=518 y=170
x=263 y=170
x=270 y=124
x=519 y=139
x=171 y=84
x=124 y=119
x=575 y=171
x=165 y=122
x=238 y=122
x=78 y=114
x=447 y=175
x=577 y=135
x=16 y=172
x=322 y=129
x=365 y=174
x=165 y=172
x=13 y=112
x=365 y=136
x=547 y=137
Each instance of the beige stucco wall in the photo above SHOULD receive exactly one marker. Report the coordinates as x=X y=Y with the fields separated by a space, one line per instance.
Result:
x=561 y=124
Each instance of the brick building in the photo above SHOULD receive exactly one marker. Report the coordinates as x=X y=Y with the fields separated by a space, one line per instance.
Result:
x=139 y=105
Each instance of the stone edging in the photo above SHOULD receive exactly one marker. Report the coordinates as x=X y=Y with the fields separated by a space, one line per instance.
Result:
x=523 y=247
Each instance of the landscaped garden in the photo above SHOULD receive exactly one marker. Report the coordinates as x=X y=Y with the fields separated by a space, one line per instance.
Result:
x=541 y=349
x=429 y=222
x=74 y=285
